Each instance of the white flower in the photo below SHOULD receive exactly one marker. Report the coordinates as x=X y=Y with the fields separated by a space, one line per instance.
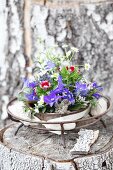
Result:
x=55 y=75
x=65 y=63
x=64 y=46
x=31 y=79
x=75 y=49
x=42 y=73
x=87 y=66
x=90 y=86
x=36 y=110
x=81 y=98
x=41 y=101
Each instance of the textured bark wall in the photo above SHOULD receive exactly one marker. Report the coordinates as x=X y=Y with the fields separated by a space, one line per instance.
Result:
x=3 y=37
x=87 y=25
x=12 y=61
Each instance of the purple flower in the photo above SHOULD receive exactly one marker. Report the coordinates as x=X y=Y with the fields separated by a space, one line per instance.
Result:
x=32 y=96
x=81 y=88
x=29 y=83
x=50 y=65
x=94 y=84
x=59 y=93
x=60 y=86
x=97 y=95
x=51 y=98
x=60 y=82
x=66 y=94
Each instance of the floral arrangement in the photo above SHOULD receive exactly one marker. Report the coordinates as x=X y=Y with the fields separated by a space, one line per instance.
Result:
x=57 y=83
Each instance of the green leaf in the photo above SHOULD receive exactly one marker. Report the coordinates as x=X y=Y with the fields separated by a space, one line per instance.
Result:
x=40 y=91
x=64 y=72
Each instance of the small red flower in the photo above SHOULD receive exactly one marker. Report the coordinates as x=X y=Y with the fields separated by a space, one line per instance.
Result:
x=45 y=84
x=72 y=69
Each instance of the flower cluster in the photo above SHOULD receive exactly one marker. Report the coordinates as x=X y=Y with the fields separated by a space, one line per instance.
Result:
x=57 y=79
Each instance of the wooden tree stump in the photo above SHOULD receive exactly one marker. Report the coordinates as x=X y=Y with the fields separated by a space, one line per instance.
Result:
x=34 y=150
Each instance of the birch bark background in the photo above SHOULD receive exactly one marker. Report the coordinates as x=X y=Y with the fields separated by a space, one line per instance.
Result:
x=12 y=61
x=85 y=24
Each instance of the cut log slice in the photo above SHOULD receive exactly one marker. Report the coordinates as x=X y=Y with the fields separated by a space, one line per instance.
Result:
x=46 y=148
x=34 y=142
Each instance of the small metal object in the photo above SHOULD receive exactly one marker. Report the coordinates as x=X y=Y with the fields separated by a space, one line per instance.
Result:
x=62 y=135
x=18 y=128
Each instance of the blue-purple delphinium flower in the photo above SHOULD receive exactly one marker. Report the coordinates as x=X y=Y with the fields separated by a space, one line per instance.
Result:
x=54 y=96
x=50 y=65
x=51 y=99
x=60 y=82
x=29 y=83
x=32 y=96
x=96 y=95
x=81 y=89
x=60 y=86
x=66 y=94
x=94 y=84
x=59 y=93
